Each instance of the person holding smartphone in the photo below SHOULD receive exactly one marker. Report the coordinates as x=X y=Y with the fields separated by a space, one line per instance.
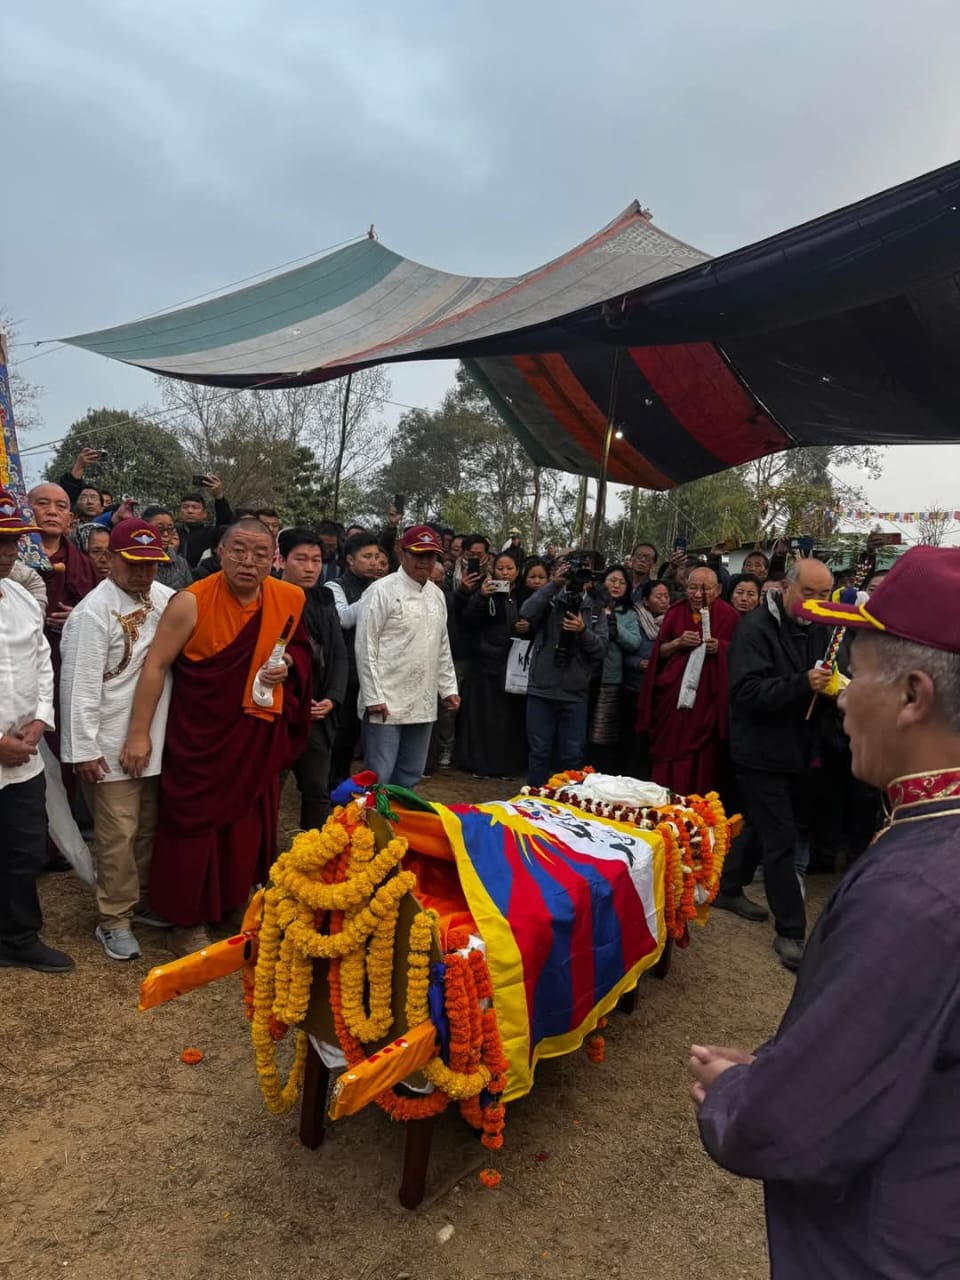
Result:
x=469 y=572
x=196 y=535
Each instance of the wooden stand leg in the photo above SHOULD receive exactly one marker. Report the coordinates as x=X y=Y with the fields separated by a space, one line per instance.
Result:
x=416 y=1157
x=628 y=1001
x=313 y=1105
x=662 y=967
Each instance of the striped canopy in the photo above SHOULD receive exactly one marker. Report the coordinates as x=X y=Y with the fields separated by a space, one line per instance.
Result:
x=844 y=330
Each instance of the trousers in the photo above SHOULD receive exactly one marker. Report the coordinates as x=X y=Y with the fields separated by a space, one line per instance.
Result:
x=554 y=728
x=124 y=824
x=23 y=855
x=312 y=772
x=775 y=807
x=347 y=736
x=397 y=753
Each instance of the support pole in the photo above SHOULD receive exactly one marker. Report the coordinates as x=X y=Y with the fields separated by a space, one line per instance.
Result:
x=313 y=1104
x=343 y=445
x=416 y=1157
x=601 y=507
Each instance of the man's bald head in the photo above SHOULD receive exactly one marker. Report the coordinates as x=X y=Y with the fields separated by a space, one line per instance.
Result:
x=806 y=580
x=249 y=523
x=51 y=510
x=702 y=586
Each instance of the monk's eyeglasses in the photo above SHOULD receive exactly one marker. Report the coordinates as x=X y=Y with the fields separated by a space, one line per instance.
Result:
x=259 y=558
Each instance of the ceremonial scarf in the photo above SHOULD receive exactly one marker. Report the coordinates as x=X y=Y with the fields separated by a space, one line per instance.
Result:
x=649 y=622
x=694 y=668
x=221 y=617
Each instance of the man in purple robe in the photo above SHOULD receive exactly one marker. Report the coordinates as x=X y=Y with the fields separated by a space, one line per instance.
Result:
x=851 y=1113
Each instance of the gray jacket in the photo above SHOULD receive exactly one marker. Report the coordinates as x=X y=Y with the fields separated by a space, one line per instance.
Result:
x=564 y=681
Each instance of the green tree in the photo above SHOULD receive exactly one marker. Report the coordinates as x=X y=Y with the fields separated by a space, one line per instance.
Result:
x=142 y=459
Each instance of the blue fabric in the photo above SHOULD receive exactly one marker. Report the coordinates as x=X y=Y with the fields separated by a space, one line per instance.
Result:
x=559 y=727
x=397 y=753
x=436 y=1003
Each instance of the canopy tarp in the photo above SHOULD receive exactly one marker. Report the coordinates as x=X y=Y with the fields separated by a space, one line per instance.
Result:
x=844 y=330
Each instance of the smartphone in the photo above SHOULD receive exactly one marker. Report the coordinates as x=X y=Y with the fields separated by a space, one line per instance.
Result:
x=398 y=502
x=473 y=564
x=201 y=480
x=679 y=543
x=497 y=584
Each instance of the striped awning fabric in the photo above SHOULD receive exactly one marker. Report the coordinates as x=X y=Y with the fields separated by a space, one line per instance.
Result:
x=844 y=330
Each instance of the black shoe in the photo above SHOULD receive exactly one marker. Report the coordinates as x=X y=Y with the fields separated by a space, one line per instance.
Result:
x=34 y=955
x=790 y=951
x=57 y=862
x=741 y=906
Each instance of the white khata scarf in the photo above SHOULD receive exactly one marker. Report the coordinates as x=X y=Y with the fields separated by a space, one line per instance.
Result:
x=694 y=667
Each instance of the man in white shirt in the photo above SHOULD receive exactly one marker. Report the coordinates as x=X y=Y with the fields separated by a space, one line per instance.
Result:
x=105 y=640
x=404 y=662
x=26 y=712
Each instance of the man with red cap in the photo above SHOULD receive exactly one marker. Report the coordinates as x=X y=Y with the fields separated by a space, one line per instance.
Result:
x=26 y=713
x=849 y=1114
x=105 y=641
x=404 y=662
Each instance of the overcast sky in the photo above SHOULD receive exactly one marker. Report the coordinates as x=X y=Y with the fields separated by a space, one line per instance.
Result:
x=157 y=150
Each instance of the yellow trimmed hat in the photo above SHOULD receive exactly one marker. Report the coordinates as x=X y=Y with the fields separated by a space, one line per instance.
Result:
x=135 y=539
x=916 y=601
x=12 y=523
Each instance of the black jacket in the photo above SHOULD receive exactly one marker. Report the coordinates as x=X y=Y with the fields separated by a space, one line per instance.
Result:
x=768 y=661
x=564 y=681
x=329 y=653
x=491 y=620
x=195 y=539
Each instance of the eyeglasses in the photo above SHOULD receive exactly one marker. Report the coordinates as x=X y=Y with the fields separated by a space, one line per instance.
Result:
x=259 y=558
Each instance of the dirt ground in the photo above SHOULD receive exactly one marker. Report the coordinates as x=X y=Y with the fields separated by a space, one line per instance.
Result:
x=116 y=1159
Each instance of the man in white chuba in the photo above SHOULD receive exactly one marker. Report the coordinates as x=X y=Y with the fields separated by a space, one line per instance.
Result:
x=105 y=641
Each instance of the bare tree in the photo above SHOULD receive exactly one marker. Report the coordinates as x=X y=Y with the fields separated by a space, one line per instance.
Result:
x=935 y=526
x=251 y=439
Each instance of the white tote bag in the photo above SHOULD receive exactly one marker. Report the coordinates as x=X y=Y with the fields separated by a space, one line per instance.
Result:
x=518 y=666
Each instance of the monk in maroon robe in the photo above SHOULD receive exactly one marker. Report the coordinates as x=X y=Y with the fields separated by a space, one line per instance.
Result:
x=683 y=703
x=236 y=721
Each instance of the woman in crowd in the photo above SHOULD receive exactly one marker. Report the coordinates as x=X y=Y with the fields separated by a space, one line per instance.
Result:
x=94 y=539
x=653 y=604
x=491 y=741
x=609 y=746
x=743 y=592
x=536 y=574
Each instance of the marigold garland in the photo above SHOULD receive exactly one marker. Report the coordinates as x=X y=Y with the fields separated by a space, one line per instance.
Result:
x=333 y=896
x=696 y=838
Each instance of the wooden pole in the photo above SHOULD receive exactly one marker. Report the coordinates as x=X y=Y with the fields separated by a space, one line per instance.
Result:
x=343 y=446
x=313 y=1104
x=600 y=509
x=535 y=521
x=416 y=1157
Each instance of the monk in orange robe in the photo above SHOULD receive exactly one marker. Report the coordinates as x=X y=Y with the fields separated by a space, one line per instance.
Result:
x=239 y=715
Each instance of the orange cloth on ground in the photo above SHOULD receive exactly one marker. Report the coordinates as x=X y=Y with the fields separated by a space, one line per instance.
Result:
x=221 y=617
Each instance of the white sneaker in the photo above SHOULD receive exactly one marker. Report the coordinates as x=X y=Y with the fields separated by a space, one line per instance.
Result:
x=119 y=944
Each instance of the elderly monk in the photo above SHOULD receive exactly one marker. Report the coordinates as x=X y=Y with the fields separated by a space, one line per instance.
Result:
x=849 y=1113
x=239 y=714
x=683 y=703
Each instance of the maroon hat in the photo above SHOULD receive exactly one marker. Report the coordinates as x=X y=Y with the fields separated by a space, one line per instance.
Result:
x=421 y=538
x=916 y=601
x=12 y=523
x=135 y=539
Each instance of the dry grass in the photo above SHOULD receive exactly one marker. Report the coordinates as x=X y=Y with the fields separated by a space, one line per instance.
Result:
x=117 y=1159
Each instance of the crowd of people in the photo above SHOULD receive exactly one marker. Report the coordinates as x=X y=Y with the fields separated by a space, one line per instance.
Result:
x=181 y=667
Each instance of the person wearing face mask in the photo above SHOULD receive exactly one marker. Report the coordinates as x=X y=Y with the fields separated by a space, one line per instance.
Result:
x=491 y=741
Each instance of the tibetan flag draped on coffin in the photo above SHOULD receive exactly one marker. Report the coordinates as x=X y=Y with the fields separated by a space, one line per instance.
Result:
x=570 y=909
